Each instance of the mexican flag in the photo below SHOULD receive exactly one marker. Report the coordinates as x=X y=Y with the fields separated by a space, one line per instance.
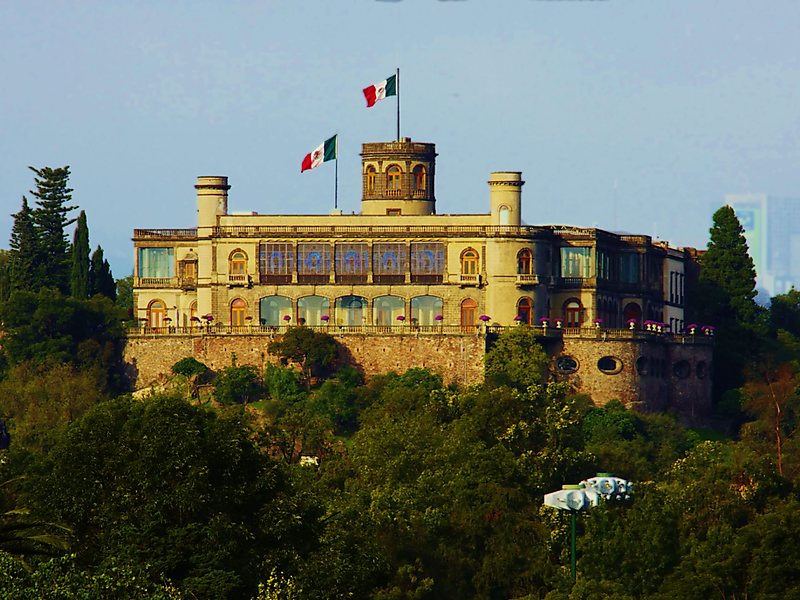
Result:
x=379 y=91
x=323 y=153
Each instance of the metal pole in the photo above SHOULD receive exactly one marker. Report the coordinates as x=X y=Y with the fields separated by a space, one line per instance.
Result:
x=397 y=85
x=574 y=515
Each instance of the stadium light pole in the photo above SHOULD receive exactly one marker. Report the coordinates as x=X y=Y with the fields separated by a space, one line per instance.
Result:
x=583 y=496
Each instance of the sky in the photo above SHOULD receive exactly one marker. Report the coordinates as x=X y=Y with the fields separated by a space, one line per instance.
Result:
x=627 y=115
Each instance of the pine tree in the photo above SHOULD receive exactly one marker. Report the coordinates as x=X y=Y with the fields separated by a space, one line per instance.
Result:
x=728 y=267
x=50 y=219
x=101 y=281
x=25 y=264
x=79 y=276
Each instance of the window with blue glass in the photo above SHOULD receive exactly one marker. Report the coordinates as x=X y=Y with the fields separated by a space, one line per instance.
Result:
x=576 y=262
x=156 y=263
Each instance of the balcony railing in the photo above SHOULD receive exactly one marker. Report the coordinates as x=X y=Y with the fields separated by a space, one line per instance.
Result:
x=156 y=282
x=152 y=234
x=383 y=231
x=527 y=279
x=466 y=279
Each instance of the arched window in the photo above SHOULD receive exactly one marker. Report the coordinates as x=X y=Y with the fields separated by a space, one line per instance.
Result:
x=420 y=179
x=238 y=312
x=524 y=262
x=350 y=310
x=505 y=215
x=312 y=309
x=632 y=312
x=469 y=308
x=469 y=262
x=524 y=311
x=370 y=181
x=386 y=309
x=393 y=185
x=573 y=313
x=237 y=263
x=273 y=309
x=192 y=314
x=424 y=310
x=156 y=312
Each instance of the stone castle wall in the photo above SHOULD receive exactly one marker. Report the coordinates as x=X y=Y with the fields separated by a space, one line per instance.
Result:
x=457 y=358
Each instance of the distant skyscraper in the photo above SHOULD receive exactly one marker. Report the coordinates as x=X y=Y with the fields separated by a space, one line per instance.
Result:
x=772 y=230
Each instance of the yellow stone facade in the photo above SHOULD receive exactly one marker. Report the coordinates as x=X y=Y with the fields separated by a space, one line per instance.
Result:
x=398 y=263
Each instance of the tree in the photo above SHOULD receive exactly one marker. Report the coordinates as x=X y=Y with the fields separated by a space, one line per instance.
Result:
x=238 y=384
x=101 y=281
x=79 y=275
x=25 y=259
x=5 y=275
x=314 y=351
x=50 y=218
x=125 y=295
x=172 y=490
x=516 y=359
x=728 y=266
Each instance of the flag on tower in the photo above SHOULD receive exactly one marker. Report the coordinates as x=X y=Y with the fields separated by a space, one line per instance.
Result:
x=323 y=153
x=379 y=91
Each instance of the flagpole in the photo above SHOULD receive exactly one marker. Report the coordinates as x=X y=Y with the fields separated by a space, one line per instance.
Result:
x=397 y=84
x=336 y=176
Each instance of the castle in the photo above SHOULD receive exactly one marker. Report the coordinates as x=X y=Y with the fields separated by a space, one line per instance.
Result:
x=609 y=307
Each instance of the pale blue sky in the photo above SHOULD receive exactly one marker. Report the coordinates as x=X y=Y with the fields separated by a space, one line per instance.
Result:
x=634 y=115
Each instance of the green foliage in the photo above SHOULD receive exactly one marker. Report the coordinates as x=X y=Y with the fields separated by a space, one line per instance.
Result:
x=50 y=219
x=5 y=275
x=125 y=295
x=189 y=367
x=283 y=384
x=516 y=359
x=340 y=401
x=48 y=327
x=170 y=490
x=26 y=257
x=314 y=351
x=79 y=274
x=101 y=281
x=238 y=385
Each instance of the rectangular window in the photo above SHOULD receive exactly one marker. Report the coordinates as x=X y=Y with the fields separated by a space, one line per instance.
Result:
x=156 y=263
x=576 y=262
x=389 y=263
x=275 y=262
x=427 y=262
x=313 y=263
x=603 y=265
x=352 y=263
x=629 y=268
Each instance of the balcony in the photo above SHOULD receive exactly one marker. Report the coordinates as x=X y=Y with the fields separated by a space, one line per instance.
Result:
x=527 y=279
x=156 y=282
x=187 y=283
x=237 y=280
x=469 y=280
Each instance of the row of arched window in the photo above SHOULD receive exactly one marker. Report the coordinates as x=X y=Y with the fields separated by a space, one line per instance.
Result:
x=394 y=182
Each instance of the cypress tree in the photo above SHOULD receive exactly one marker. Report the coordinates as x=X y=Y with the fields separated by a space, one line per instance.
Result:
x=50 y=218
x=25 y=263
x=5 y=275
x=100 y=277
x=79 y=276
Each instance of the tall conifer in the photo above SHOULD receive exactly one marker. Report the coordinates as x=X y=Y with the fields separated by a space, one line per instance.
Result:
x=100 y=277
x=25 y=264
x=79 y=276
x=50 y=217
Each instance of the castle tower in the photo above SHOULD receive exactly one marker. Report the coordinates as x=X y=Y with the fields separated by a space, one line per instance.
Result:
x=505 y=197
x=212 y=203
x=398 y=178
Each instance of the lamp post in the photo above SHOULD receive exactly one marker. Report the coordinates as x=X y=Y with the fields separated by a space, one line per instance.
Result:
x=583 y=496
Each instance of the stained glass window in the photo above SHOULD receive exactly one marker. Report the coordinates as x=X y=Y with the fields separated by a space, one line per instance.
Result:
x=276 y=262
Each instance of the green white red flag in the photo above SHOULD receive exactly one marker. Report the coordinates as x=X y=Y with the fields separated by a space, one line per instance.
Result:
x=379 y=91
x=323 y=153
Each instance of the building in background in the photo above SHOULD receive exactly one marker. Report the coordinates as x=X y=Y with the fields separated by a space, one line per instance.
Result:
x=772 y=230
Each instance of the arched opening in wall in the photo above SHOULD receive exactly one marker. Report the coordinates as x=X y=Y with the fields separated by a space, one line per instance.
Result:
x=566 y=365
x=524 y=262
x=369 y=180
x=610 y=365
x=701 y=370
x=420 y=179
x=238 y=312
x=632 y=312
x=524 y=311
x=682 y=369
x=156 y=313
x=469 y=309
x=573 y=313
x=351 y=310
x=237 y=264
x=469 y=262
x=191 y=319
x=393 y=181
x=314 y=310
x=643 y=366
x=273 y=309
x=424 y=310
x=505 y=215
x=386 y=309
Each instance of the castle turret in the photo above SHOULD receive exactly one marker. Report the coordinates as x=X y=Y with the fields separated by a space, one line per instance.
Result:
x=398 y=178
x=212 y=199
x=505 y=197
